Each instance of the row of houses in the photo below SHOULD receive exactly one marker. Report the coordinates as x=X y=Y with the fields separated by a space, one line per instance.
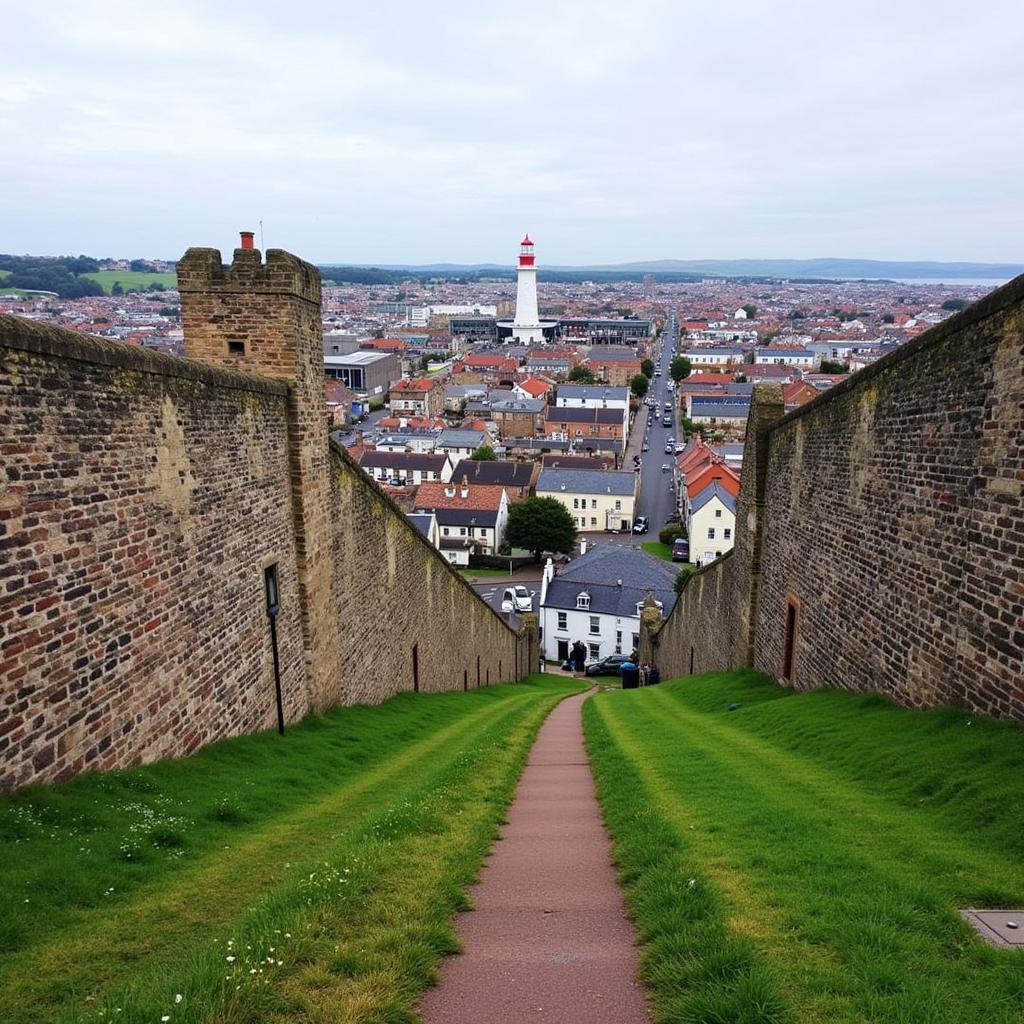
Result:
x=570 y=413
x=708 y=488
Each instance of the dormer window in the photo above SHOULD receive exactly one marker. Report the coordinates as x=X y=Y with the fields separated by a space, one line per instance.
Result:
x=583 y=600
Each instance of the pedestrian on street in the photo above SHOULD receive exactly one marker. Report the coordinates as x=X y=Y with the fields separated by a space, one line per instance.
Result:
x=579 y=655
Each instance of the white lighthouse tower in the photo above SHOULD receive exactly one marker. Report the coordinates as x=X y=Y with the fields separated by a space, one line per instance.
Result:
x=526 y=326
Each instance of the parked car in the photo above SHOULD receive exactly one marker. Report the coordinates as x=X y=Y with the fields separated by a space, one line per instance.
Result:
x=610 y=666
x=646 y=447
x=680 y=550
x=665 y=467
x=640 y=524
x=516 y=599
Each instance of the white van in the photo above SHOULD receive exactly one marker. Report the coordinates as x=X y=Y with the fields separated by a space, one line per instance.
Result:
x=516 y=599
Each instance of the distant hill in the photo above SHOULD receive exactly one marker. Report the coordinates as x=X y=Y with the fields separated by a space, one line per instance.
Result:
x=829 y=268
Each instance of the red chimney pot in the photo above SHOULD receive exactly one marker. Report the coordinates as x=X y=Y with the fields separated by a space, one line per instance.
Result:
x=247 y=237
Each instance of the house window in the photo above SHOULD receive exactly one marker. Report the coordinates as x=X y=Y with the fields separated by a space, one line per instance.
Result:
x=618 y=505
x=618 y=641
x=595 y=624
x=727 y=532
x=595 y=651
x=575 y=502
x=711 y=533
x=445 y=531
x=583 y=600
x=636 y=641
x=593 y=520
x=462 y=531
x=563 y=620
x=718 y=513
x=593 y=502
x=583 y=520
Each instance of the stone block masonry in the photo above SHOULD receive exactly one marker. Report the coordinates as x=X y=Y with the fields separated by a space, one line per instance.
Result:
x=883 y=548
x=143 y=499
x=141 y=496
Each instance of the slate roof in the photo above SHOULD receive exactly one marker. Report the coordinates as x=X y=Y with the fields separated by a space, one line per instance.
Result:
x=508 y=474
x=593 y=391
x=421 y=521
x=721 y=411
x=697 y=401
x=531 y=405
x=598 y=572
x=713 y=490
x=586 y=481
x=372 y=459
x=461 y=438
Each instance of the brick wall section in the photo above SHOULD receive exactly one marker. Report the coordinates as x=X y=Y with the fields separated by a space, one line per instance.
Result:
x=395 y=592
x=271 y=310
x=132 y=616
x=892 y=520
x=895 y=519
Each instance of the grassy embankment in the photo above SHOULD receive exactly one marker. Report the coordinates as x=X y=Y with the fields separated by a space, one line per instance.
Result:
x=659 y=550
x=135 y=281
x=802 y=858
x=308 y=878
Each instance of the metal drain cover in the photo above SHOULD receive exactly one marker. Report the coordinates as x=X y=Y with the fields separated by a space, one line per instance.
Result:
x=1000 y=927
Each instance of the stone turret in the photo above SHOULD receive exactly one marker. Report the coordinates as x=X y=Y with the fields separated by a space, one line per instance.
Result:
x=265 y=317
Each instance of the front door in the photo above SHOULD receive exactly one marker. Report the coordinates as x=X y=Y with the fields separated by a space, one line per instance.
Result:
x=563 y=651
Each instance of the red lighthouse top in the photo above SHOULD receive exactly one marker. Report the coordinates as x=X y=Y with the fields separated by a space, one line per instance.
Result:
x=526 y=256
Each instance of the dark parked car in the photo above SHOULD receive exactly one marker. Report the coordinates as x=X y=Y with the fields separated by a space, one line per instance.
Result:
x=609 y=666
x=680 y=550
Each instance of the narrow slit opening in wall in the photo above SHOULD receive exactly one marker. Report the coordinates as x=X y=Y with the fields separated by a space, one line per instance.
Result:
x=789 y=647
x=478 y=671
x=236 y=348
x=691 y=661
x=465 y=679
x=415 y=668
x=272 y=597
x=488 y=681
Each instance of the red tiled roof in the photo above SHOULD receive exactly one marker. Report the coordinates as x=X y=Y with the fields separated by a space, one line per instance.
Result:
x=439 y=495
x=417 y=384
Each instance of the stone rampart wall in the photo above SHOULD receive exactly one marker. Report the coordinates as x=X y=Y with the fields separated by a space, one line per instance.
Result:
x=142 y=496
x=880 y=530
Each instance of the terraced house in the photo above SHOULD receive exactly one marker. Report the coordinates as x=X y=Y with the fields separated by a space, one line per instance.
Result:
x=597 y=500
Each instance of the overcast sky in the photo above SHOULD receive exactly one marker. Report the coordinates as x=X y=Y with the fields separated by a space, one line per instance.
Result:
x=404 y=131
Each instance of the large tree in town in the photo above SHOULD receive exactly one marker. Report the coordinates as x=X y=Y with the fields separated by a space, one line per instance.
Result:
x=540 y=524
x=581 y=375
x=639 y=385
x=679 y=368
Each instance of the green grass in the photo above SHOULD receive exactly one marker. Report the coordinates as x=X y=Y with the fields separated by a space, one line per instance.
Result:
x=133 y=280
x=484 y=573
x=659 y=550
x=312 y=877
x=802 y=858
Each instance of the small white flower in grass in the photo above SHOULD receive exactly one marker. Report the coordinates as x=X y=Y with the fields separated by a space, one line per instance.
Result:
x=166 y=1017
x=178 y=998
x=230 y=959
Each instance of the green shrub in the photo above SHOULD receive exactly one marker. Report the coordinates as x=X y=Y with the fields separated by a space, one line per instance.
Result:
x=667 y=534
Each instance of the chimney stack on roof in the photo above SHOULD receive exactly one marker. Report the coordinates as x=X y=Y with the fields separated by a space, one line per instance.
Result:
x=247 y=239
